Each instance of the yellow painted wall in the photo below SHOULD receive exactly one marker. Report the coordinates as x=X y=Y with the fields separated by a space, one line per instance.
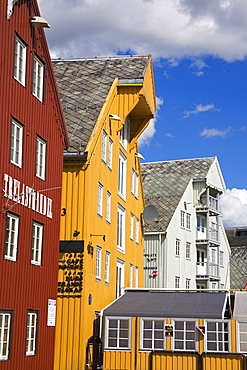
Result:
x=75 y=315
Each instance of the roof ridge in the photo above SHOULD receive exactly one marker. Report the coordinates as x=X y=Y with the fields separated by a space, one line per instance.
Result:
x=178 y=160
x=100 y=58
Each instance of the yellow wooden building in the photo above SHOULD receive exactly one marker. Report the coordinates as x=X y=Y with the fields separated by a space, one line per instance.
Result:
x=107 y=103
x=175 y=330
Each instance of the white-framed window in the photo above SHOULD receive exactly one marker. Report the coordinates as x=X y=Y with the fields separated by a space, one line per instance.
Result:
x=213 y=255
x=16 y=143
x=110 y=151
x=221 y=258
x=120 y=278
x=136 y=276
x=188 y=218
x=134 y=183
x=5 y=320
x=242 y=336
x=137 y=230
x=20 y=61
x=125 y=133
x=98 y=262
x=107 y=267
x=217 y=336
x=182 y=217
x=104 y=146
x=187 y=283
x=131 y=276
x=38 y=78
x=177 y=281
x=122 y=163
x=108 y=207
x=184 y=335
x=11 y=237
x=118 y=333
x=32 y=318
x=131 y=226
x=152 y=334
x=177 y=250
x=214 y=286
x=188 y=250
x=121 y=229
x=40 y=158
x=200 y=224
x=37 y=238
x=100 y=199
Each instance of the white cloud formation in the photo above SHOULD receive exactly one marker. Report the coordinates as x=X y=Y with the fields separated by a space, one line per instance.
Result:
x=148 y=134
x=214 y=132
x=165 y=28
x=233 y=207
x=199 y=108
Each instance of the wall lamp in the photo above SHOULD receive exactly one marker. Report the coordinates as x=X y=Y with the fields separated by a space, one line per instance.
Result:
x=103 y=236
x=39 y=22
x=138 y=155
x=114 y=116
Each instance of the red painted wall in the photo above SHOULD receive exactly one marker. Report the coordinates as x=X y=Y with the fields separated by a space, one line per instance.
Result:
x=25 y=286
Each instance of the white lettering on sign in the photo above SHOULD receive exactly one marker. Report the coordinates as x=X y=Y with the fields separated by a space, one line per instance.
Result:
x=27 y=196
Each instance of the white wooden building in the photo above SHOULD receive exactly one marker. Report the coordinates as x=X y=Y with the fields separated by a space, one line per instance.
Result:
x=188 y=247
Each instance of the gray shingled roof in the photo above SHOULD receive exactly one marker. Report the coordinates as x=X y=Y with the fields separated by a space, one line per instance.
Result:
x=238 y=267
x=165 y=182
x=84 y=85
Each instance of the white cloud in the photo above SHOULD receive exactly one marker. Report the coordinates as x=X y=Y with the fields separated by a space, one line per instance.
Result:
x=198 y=74
x=233 y=207
x=213 y=132
x=148 y=134
x=169 y=135
x=199 y=108
x=171 y=29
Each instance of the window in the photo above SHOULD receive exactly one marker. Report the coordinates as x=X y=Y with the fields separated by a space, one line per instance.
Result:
x=182 y=218
x=118 y=333
x=98 y=262
x=37 y=236
x=108 y=207
x=120 y=278
x=125 y=133
x=131 y=276
x=40 y=158
x=136 y=276
x=184 y=335
x=11 y=237
x=134 y=183
x=137 y=231
x=242 y=337
x=122 y=175
x=217 y=336
x=110 y=147
x=5 y=319
x=38 y=78
x=121 y=229
x=107 y=267
x=188 y=218
x=177 y=281
x=221 y=258
x=31 y=333
x=16 y=143
x=187 y=250
x=200 y=223
x=131 y=226
x=100 y=199
x=104 y=143
x=187 y=283
x=177 y=247
x=20 y=61
x=152 y=334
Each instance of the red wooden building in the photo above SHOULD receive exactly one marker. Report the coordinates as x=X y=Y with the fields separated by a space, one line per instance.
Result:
x=33 y=136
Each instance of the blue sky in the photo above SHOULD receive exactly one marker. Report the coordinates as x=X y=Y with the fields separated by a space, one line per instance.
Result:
x=199 y=50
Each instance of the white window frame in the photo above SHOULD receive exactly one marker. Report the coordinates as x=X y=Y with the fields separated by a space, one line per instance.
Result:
x=108 y=207
x=120 y=277
x=37 y=241
x=125 y=133
x=117 y=330
x=11 y=237
x=177 y=247
x=152 y=338
x=107 y=266
x=121 y=215
x=110 y=152
x=104 y=146
x=38 y=78
x=221 y=259
x=16 y=143
x=188 y=250
x=239 y=340
x=177 y=281
x=185 y=340
x=20 y=61
x=131 y=276
x=187 y=283
x=134 y=183
x=217 y=332
x=40 y=157
x=5 y=327
x=100 y=199
x=188 y=221
x=98 y=263
x=132 y=226
x=122 y=173
x=136 y=276
x=137 y=231
x=31 y=339
x=182 y=219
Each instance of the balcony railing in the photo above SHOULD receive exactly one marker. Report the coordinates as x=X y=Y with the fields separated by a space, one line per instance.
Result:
x=213 y=269
x=213 y=234
x=212 y=202
x=201 y=269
